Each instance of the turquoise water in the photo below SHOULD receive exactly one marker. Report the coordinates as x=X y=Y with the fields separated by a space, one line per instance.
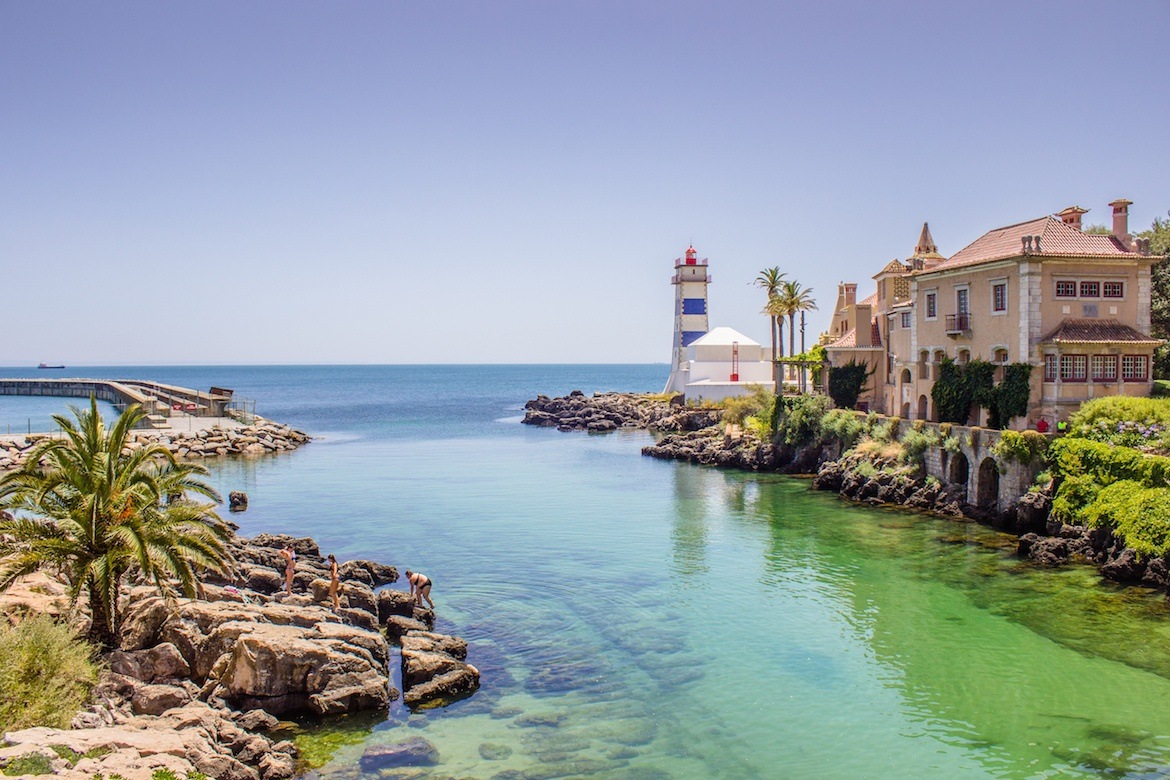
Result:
x=635 y=618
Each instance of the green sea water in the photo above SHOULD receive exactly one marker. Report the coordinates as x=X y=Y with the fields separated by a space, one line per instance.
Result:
x=635 y=618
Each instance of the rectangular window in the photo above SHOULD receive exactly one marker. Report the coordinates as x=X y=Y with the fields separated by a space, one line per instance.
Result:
x=1133 y=368
x=1113 y=289
x=1050 y=368
x=1104 y=368
x=1066 y=289
x=905 y=319
x=962 y=301
x=1072 y=368
x=999 y=296
x=1090 y=289
x=931 y=305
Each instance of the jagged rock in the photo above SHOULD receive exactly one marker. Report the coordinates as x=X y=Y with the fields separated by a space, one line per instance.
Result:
x=397 y=626
x=426 y=641
x=157 y=699
x=156 y=663
x=394 y=602
x=444 y=688
x=1044 y=550
x=1126 y=567
x=256 y=720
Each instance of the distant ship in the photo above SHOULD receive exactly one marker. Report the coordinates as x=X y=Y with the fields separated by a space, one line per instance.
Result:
x=46 y=365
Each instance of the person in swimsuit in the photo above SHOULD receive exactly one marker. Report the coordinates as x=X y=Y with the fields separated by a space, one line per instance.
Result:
x=334 y=582
x=290 y=567
x=420 y=587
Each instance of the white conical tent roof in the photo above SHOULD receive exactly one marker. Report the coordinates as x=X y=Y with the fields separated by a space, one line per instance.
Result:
x=724 y=337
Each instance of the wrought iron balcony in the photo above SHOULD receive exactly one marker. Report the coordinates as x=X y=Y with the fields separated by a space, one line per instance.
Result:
x=958 y=323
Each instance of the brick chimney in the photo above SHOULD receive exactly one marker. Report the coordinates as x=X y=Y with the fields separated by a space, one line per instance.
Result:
x=850 y=289
x=1121 y=220
x=1072 y=216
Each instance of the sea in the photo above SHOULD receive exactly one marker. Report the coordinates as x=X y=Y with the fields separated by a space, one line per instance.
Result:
x=638 y=618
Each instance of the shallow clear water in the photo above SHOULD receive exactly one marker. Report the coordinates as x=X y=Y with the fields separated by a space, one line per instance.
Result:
x=645 y=619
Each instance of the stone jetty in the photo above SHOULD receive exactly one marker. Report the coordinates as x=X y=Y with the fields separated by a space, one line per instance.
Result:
x=198 y=685
x=262 y=437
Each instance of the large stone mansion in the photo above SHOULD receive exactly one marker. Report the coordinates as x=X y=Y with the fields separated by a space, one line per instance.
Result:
x=1075 y=305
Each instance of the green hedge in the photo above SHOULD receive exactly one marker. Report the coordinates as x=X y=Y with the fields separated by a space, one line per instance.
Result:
x=1113 y=487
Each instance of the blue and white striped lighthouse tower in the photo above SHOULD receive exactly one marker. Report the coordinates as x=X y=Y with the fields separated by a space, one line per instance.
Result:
x=690 y=282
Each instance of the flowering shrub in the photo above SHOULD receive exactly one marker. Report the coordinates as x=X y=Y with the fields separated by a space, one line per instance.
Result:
x=1140 y=423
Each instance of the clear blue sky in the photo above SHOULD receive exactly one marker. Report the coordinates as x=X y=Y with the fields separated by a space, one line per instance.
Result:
x=405 y=182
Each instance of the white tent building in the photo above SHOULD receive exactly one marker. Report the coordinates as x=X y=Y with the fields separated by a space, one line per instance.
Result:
x=725 y=363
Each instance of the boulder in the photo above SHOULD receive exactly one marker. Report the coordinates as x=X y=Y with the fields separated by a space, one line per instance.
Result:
x=426 y=641
x=1126 y=567
x=415 y=751
x=397 y=625
x=157 y=699
x=444 y=689
x=237 y=501
x=160 y=662
x=394 y=602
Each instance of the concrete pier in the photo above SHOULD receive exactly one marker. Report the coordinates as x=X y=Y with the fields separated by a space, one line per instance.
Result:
x=159 y=401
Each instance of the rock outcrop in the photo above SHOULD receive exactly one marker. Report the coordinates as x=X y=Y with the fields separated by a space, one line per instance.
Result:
x=604 y=412
x=190 y=737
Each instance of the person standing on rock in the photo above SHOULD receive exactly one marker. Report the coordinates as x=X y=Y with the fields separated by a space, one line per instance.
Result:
x=334 y=582
x=420 y=587
x=290 y=567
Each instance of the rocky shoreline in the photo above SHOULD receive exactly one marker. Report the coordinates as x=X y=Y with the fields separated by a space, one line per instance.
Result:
x=262 y=437
x=605 y=412
x=198 y=685
x=697 y=437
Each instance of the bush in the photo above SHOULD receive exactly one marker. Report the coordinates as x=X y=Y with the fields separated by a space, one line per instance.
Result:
x=758 y=404
x=842 y=425
x=1138 y=514
x=846 y=383
x=800 y=418
x=915 y=443
x=1021 y=446
x=1127 y=422
x=46 y=674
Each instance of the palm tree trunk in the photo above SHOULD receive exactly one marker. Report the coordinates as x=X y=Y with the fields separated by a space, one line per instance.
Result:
x=101 y=628
x=792 y=332
x=775 y=368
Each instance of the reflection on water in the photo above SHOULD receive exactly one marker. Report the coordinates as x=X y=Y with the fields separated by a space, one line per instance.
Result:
x=635 y=618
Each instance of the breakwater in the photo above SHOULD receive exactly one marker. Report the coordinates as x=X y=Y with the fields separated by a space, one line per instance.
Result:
x=262 y=437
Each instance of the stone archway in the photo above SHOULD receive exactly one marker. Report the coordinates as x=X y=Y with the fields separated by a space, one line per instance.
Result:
x=906 y=411
x=923 y=408
x=958 y=470
x=987 y=485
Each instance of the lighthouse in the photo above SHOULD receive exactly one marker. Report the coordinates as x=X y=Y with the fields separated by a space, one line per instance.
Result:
x=690 y=282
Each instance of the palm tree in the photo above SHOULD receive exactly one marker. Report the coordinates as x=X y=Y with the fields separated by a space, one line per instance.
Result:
x=795 y=299
x=93 y=510
x=770 y=280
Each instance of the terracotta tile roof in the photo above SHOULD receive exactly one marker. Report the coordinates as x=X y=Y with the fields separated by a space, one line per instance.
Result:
x=868 y=300
x=849 y=340
x=1091 y=331
x=1056 y=238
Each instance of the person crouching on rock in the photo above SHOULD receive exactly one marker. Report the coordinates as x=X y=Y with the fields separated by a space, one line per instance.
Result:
x=290 y=567
x=420 y=587
x=334 y=582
